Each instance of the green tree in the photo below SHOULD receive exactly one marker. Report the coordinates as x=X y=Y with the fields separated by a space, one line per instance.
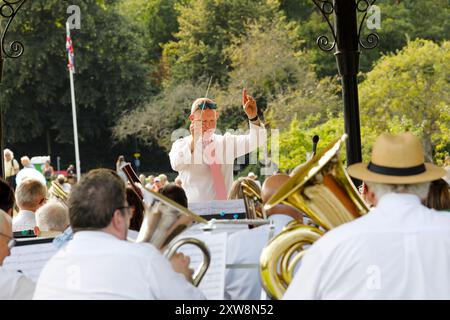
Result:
x=410 y=90
x=206 y=28
x=111 y=72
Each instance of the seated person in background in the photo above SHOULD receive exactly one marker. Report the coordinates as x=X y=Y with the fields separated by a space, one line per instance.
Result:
x=175 y=193
x=30 y=196
x=6 y=198
x=178 y=182
x=26 y=163
x=236 y=189
x=62 y=181
x=242 y=281
x=52 y=217
x=438 y=195
x=157 y=184
x=99 y=263
x=13 y=285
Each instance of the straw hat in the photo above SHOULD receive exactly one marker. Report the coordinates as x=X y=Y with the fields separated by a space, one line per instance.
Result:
x=397 y=160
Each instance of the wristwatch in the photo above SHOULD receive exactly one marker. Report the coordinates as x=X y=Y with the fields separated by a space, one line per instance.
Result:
x=254 y=119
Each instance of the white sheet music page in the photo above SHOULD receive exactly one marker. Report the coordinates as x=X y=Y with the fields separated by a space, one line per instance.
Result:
x=213 y=283
x=30 y=259
x=218 y=207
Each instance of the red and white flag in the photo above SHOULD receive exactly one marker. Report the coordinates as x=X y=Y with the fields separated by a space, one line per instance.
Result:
x=69 y=48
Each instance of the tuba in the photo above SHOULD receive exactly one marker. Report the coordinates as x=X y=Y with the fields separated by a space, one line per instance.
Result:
x=322 y=190
x=164 y=220
x=59 y=193
x=252 y=201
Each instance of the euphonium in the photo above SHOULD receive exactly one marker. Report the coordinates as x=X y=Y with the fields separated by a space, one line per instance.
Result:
x=323 y=191
x=164 y=220
x=57 y=192
x=252 y=201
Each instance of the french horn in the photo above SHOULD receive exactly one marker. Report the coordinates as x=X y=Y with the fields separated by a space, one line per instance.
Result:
x=164 y=220
x=252 y=201
x=322 y=190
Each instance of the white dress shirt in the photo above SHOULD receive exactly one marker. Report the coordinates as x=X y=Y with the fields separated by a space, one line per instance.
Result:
x=400 y=250
x=25 y=220
x=97 y=265
x=15 y=286
x=194 y=171
x=242 y=280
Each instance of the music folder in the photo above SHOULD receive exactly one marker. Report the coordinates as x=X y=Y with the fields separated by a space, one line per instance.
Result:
x=29 y=256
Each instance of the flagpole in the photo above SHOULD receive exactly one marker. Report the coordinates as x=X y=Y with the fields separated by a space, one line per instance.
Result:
x=74 y=113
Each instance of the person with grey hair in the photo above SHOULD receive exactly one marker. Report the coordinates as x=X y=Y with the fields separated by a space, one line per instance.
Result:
x=30 y=196
x=11 y=167
x=399 y=250
x=13 y=285
x=52 y=217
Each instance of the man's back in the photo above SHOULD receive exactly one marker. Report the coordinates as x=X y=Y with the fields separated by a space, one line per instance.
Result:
x=401 y=250
x=242 y=280
x=96 y=265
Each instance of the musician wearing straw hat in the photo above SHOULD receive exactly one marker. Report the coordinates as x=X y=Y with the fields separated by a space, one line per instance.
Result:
x=400 y=250
x=204 y=160
x=242 y=281
x=99 y=263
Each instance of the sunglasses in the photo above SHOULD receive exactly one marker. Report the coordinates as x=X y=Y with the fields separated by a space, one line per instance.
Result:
x=207 y=105
x=11 y=242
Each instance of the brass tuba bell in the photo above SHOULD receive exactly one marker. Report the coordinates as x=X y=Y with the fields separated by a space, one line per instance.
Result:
x=164 y=220
x=325 y=193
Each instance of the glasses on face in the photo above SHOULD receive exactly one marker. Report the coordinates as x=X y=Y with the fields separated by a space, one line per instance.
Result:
x=11 y=242
x=207 y=105
x=126 y=208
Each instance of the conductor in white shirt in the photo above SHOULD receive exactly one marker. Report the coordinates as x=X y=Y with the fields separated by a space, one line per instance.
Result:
x=13 y=285
x=242 y=280
x=99 y=263
x=204 y=160
x=400 y=250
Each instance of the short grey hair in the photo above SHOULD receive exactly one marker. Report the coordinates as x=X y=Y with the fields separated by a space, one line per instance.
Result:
x=30 y=192
x=381 y=189
x=4 y=219
x=53 y=216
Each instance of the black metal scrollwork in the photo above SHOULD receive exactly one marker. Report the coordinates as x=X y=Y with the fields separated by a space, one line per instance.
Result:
x=8 y=10
x=372 y=39
x=326 y=8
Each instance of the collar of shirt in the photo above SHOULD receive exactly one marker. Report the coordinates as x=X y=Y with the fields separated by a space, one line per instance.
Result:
x=94 y=235
x=391 y=203
x=27 y=214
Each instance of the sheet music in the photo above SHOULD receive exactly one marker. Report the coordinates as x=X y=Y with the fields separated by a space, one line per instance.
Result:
x=213 y=283
x=217 y=207
x=227 y=206
x=29 y=259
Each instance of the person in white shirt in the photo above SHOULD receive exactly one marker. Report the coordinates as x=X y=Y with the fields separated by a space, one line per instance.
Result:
x=242 y=280
x=28 y=172
x=204 y=160
x=99 y=263
x=399 y=250
x=13 y=285
x=52 y=217
x=30 y=196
